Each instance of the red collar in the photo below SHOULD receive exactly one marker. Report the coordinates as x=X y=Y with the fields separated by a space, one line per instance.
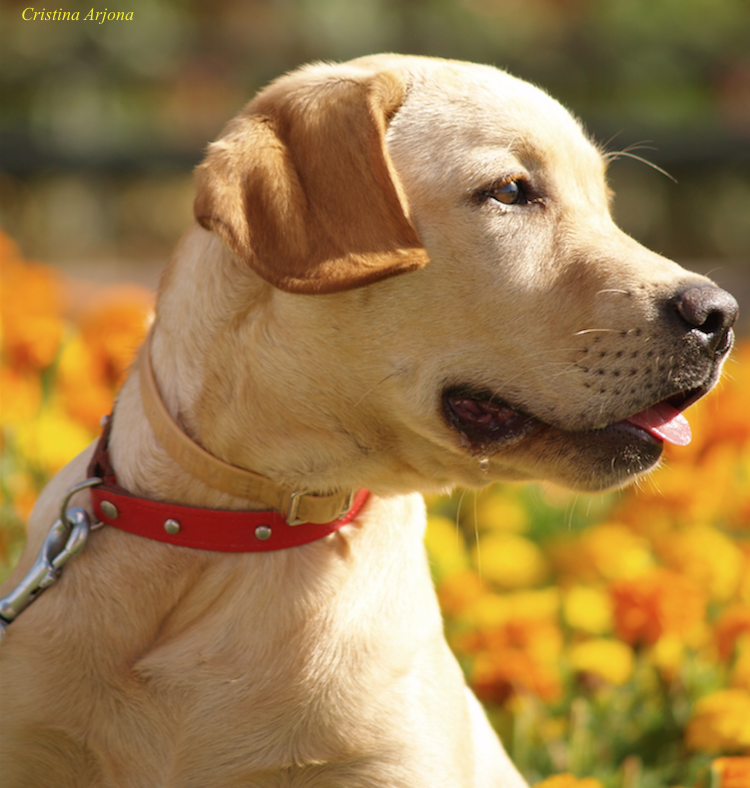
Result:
x=204 y=529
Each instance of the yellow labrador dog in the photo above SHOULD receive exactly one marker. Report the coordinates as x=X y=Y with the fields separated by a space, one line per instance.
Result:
x=403 y=275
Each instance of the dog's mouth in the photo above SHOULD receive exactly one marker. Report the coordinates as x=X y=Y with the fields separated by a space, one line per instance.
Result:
x=486 y=424
x=482 y=421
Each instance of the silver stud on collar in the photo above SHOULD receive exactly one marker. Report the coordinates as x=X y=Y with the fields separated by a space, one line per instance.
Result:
x=172 y=526
x=110 y=510
x=262 y=532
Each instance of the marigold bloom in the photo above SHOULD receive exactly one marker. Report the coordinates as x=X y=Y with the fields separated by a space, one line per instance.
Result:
x=510 y=561
x=706 y=555
x=502 y=511
x=741 y=671
x=733 y=623
x=30 y=309
x=516 y=642
x=731 y=772
x=445 y=546
x=502 y=672
x=667 y=655
x=658 y=603
x=721 y=722
x=81 y=385
x=458 y=590
x=52 y=440
x=589 y=609
x=607 y=551
x=114 y=326
x=568 y=781
x=611 y=660
x=21 y=396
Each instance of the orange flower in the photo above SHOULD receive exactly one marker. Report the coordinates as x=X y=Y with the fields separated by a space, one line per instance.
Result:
x=81 y=384
x=731 y=772
x=30 y=307
x=517 y=645
x=499 y=673
x=661 y=602
x=21 y=396
x=113 y=326
x=568 y=781
x=733 y=623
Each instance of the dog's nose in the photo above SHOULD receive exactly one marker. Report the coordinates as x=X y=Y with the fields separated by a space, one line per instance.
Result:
x=710 y=311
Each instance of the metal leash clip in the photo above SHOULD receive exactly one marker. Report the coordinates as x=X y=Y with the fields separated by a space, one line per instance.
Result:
x=65 y=539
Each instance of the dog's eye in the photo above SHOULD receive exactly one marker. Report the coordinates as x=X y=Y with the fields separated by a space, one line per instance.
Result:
x=515 y=190
x=511 y=193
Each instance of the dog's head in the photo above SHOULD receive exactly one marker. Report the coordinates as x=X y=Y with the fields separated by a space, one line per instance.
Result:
x=443 y=231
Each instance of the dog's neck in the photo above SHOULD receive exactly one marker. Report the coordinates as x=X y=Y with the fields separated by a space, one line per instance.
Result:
x=232 y=389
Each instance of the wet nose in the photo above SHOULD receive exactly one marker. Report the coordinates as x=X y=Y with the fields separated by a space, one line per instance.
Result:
x=710 y=312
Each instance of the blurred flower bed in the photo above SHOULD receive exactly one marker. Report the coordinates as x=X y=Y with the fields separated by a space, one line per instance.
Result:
x=609 y=636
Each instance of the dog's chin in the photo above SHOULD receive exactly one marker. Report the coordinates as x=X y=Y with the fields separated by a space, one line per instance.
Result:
x=589 y=460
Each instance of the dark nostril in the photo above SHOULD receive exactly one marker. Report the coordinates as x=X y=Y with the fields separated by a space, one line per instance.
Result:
x=709 y=309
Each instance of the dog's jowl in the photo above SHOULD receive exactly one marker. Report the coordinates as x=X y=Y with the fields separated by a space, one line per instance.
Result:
x=403 y=275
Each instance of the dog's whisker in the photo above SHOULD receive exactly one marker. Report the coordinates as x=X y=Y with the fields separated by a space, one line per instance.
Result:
x=595 y=331
x=370 y=390
x=613 y=290
x=630 y=155
x=569 y=368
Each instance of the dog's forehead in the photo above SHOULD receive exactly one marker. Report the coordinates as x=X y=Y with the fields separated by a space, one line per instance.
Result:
x=458 y=109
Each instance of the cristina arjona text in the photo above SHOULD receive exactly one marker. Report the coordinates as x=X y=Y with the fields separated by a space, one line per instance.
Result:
x=32 y=15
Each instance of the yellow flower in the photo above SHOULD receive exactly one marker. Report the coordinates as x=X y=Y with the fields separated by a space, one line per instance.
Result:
x=731 y=772
x=491 y=610
x=706 y=555
x=721 y=722
x=568 y=781
x=19 y=486
x=589 y=609
x=611 y=660
x=500 y=510
x=606 y=551
x=457 y=591
x=667 y=655
x=52 y=440
x=510 y=561
x=741 y=670
x=445 y=546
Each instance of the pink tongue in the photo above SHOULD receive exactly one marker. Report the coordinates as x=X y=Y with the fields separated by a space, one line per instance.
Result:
x=665 y=422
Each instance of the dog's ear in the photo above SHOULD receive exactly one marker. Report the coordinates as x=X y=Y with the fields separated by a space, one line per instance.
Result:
x=301 y=187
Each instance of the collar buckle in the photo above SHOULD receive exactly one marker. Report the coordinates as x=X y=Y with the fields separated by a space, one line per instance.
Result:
x=292 y=515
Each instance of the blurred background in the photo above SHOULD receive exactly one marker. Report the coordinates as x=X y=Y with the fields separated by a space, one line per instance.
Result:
x=608 y=636
x=101 y=124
